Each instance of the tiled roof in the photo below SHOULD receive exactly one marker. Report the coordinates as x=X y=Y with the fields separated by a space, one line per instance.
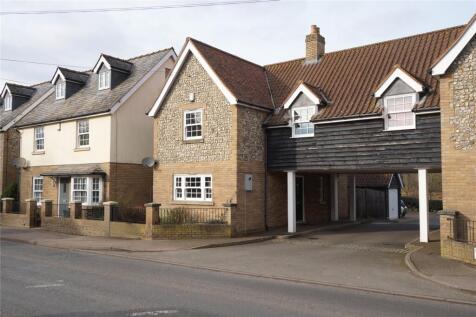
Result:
x=245 y=80
x=350 y=77
x=73 y=75
x=39 y=90
x=89 y=100
x=118 y=63
x=20 y=90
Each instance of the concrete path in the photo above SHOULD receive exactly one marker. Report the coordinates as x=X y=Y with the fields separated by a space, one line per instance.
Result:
x=64 y=241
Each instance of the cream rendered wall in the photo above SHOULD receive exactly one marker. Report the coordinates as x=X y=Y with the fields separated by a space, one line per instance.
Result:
x=132 y=129
x=60 y=143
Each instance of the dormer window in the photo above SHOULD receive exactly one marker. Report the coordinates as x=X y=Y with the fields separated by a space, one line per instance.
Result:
x=60 y=89
x=7 y=102
x=301 y=121
x=104 y=78
x=399 y=113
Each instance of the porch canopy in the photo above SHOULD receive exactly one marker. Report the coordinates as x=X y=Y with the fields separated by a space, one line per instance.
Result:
x=71 y=170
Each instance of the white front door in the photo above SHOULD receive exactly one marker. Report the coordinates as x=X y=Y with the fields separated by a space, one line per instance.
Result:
x=392 y=204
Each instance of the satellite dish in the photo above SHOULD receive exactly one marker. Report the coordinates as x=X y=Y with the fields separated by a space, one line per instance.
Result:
x=20 y=162
x=148 y=162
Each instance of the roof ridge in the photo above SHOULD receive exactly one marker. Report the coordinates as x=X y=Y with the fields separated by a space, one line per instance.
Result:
x=227 y=53
x=151 y=53
x=374 y=44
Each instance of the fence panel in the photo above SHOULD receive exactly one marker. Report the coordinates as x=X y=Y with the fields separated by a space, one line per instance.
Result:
x=465 y=230
x=94 y=212
x=128 y=214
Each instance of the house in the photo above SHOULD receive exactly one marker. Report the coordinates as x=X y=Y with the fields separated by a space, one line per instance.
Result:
x=283 y=142
x=456 y=72
x=15 y=102
x=85 y=142
x=378 y=195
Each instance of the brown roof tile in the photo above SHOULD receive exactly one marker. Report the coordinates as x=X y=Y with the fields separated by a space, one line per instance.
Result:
x=349 y=77
x=245 y=80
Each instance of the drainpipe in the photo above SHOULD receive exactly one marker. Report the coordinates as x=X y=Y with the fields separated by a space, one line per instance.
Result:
x=265 y=179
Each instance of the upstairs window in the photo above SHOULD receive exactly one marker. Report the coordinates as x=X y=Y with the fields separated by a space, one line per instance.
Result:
x=104 y=78
x=83 y=133
x=60 y=89
x=301 y=120
x=7 y=102
x=398 y=110
x=193 y=124
x=193 y=187
x=39 y=144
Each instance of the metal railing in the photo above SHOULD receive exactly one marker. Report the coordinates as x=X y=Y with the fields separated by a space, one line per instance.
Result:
x=17 y=208
x=182 y=215
x=128 y=214
x=465 y=230
x=94 y=212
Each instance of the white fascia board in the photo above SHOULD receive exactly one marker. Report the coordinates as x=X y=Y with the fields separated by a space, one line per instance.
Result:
x=5 y=89
x=398 y=73
x=445 y=62
x=348 y=120
x=55 y=77
x=101 y=61
x=27 y=110
x=190 y=48
x=149 y=74
x=305 y=90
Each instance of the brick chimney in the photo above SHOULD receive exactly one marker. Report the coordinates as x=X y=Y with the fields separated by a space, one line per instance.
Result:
x=315 y=45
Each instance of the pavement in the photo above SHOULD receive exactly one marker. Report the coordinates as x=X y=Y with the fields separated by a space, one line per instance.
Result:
x=40 y=281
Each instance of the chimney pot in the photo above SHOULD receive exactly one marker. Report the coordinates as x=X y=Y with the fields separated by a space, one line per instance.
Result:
x=315 y=45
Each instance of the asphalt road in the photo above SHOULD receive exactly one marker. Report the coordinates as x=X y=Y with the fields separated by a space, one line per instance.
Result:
x=38 y=281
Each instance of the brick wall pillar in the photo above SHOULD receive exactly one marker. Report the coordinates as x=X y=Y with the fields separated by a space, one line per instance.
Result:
x=108 y=206
x=230 y=212
x=448 y=225
x=7 y=204
x=46 y=209
x=30 y=211
x=151 y=218
x=75 y=208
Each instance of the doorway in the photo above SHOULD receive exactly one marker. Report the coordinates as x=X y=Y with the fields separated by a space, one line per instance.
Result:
x=300 y=199
x=64 y=186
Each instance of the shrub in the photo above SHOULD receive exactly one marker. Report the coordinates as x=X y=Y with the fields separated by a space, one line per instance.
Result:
x=11 y=191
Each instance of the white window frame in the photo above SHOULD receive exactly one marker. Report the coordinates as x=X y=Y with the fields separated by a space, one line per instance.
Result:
x=8 y=102
x=89 y=189
x=36 y=139
x=60 y=89
x=185 y=125
x=183 y=187
x=79 y=134
x=294 y=121
x=387 y=114
x=35 y=190
x=104 y=78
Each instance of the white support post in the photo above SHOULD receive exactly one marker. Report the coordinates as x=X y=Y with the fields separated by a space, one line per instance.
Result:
x=423 y=204
x=353 y=199
x=335 y=198
x=291 y=201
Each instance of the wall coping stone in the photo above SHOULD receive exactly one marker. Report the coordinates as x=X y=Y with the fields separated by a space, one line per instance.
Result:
x=152 y=205
x=29 y=200
x=8 y=199
x=448 y=212
x=46 y=201
x=110 y=203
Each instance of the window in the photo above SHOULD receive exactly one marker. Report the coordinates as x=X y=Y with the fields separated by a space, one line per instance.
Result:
x=83 y=133
x=104 y=78
x=193 y=124
x=37 y=188
x=87 y=190
x=39 y=139
x=60 y=89
x=7 y=102
x=301 y=117
x=399 y=114
x=193 y=187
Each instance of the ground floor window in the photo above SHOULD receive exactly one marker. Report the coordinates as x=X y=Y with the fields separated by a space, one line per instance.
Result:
x=86 y=189
x=37 y=188
x=193 y=187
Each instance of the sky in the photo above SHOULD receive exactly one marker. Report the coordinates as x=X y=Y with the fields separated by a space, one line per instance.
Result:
x=263 y=33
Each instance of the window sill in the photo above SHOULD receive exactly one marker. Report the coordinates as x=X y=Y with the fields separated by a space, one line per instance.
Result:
x=302 y=136
x=193 y=141
x=81 y=149
x=38 y=153
x=188 y=202
x=400 y=129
